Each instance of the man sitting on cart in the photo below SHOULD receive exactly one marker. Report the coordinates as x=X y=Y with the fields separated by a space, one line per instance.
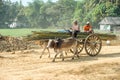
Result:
x=87 y=28
x=75 y=29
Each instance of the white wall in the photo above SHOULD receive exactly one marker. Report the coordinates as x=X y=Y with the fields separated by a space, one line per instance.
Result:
x=13 y=25
x=105 y=27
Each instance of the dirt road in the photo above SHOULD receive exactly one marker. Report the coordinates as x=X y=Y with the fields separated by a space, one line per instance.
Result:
x=28 y=66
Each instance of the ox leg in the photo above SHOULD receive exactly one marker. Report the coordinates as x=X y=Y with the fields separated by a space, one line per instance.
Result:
x=73 y=56
x=48 y=52
x=65 y=52
x=61 y=55
x=43 y=52
x=55 y=57
x=75 y=53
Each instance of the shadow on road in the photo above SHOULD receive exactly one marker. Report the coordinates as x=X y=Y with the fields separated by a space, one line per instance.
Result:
x=89 y=58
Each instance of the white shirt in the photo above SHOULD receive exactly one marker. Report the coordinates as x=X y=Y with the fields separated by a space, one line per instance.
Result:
x=75 y=27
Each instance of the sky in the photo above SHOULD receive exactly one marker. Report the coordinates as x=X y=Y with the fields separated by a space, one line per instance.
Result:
x=24 y=2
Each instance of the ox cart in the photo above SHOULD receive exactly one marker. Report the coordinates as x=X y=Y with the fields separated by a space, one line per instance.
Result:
x=92 y=43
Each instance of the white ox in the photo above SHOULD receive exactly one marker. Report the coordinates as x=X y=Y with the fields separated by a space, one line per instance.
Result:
x=61 y=45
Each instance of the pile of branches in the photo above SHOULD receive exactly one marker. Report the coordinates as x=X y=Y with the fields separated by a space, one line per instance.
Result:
x=9 y=44
x=52 y=35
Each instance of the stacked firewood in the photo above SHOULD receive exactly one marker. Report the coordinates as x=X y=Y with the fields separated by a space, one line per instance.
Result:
x=9 y=44
x=52 y=35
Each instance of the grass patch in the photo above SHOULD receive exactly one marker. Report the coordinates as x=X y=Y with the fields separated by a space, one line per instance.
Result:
x=21 y=32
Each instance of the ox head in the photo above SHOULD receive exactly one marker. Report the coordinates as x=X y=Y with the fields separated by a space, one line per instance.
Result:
x=56 y=43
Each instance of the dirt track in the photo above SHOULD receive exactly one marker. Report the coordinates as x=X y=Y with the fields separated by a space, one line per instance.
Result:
x=28 y=66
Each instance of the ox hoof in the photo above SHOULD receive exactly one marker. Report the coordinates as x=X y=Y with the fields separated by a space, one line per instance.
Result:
x=53 y=60
x=40 y=56
x=72 y=58
x=13 y=53
x=62 y=59
x=78 y=56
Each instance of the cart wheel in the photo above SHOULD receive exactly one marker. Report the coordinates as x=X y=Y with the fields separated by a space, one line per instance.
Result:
x=93 y=45
x=80 y=46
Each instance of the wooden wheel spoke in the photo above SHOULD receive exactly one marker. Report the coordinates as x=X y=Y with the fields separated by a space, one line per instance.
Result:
x=96 y=50
x=91 y=51
x=88 y=48
x=79 y=48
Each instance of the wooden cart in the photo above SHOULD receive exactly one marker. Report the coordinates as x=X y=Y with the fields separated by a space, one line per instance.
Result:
x=92 y=44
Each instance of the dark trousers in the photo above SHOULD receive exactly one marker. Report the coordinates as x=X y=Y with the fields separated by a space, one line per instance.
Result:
x=75 y=33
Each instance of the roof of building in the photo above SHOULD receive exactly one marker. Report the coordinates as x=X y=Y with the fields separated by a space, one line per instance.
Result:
x=111 y=21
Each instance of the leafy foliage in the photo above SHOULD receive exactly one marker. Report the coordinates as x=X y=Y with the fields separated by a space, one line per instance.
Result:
x=60 y=14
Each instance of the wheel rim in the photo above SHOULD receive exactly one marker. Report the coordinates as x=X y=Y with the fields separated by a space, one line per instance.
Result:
x=93 y=45
x=80 y=47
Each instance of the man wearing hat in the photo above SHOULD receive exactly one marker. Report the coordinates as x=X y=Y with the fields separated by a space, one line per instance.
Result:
x=87 y=27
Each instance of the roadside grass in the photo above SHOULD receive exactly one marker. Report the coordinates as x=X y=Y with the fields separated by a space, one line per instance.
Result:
x=21 y=32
